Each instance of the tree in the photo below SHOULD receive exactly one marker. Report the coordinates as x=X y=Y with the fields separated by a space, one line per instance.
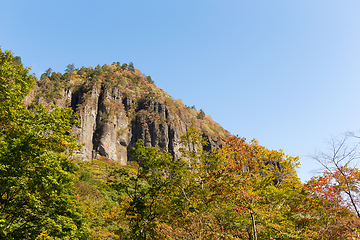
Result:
x=143 y=189
x=338 y=187
x=36 y=174
x=124 y=66
x=201 y=114
x=48 y=72
x=148 y=78
x=69 y=73
x=70 y=68
x=131 y=67
x=261 y=186
x=339 y=166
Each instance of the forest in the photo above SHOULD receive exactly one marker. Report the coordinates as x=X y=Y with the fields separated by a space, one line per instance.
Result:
x=241 y=190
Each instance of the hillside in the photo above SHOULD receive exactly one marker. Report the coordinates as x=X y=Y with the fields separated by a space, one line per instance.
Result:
x=65 y=145
x=117 y=105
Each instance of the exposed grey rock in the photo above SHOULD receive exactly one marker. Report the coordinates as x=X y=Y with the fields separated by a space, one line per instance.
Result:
x=88 y=112
x=112 y=123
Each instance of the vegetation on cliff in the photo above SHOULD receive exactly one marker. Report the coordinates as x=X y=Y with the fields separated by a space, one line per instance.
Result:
x=240 y=190
x=134 y=85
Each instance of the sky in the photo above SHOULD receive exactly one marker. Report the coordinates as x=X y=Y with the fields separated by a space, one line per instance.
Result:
x=284 y=72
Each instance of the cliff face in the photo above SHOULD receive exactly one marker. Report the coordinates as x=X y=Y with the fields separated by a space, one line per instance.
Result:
x=113 y=118
x=104 y=128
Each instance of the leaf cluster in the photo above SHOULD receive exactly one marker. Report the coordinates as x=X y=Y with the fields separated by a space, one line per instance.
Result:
x=36 y=171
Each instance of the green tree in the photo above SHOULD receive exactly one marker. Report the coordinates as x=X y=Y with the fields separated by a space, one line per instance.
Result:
x=148 y=78
x=143 y=190
x=36 y=174
x=70 y=68
x=70 y=71
x=124 y=66
x=131 y=67
x=201 y=114
x=46 y=74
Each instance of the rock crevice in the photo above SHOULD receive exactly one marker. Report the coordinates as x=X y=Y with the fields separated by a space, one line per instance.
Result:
x=111 y=123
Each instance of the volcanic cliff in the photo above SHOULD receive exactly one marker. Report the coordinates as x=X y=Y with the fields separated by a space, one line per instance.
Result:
x=117 y=105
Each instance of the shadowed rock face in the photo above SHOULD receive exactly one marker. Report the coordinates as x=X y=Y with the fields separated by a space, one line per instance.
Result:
x=112 y=123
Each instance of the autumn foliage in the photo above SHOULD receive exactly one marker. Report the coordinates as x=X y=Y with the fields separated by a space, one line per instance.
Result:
x=241 y=191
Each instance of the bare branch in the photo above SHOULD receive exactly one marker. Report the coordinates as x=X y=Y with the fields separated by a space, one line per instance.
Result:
x=340 y=162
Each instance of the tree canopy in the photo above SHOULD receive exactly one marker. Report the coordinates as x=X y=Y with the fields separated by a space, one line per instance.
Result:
x=36 y=173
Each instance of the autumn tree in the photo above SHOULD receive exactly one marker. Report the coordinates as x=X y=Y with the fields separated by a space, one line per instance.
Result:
x=338 y=187
x=242 y=191
x=339 y=165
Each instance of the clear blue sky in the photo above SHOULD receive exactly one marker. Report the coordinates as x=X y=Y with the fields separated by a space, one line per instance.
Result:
x=284 y=72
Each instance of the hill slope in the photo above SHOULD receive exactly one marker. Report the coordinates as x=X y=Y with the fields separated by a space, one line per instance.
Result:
x=239 y=191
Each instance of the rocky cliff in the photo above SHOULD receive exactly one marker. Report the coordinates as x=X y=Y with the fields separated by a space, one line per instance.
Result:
x=117 y=106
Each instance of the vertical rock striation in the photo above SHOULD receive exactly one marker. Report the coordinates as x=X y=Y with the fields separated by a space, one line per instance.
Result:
x=116 y=107
x=111 y=123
